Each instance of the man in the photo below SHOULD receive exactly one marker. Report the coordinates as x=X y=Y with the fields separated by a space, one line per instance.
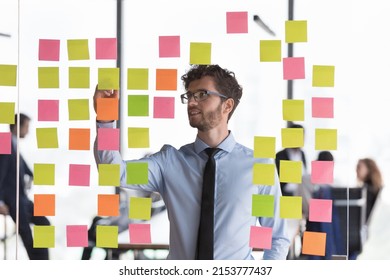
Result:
x=294 y=154
x=212 y=96
x=8 y=185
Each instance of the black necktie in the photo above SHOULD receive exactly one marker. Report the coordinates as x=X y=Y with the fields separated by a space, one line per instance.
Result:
x=205 y=246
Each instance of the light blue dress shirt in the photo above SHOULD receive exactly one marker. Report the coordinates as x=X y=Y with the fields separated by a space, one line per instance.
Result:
x=177 y=176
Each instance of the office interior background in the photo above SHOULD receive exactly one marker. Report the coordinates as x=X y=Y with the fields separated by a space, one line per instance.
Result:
x=351 y=35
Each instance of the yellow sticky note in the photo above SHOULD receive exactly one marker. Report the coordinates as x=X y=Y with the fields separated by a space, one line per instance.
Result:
x=264 y=147
x=107 y=236
x=293 y=110
x=8 y=75
x=270 y=50
x=200 y=53
x=48 y=77
x=7 y=112
x=78 y=49
x=290 y=171
x=138 y=137
x=140 y=208
x=78 y=109
x=108 y=78
x=264 y=174
x=292 y=137
x=44 y=174
x=291 y=207
x=44 y=237
x=296 y=31
x=47 y=138
x=325 y=139
x=79 y=77
x=109 y=174
x=323 y=76
x=138 y=78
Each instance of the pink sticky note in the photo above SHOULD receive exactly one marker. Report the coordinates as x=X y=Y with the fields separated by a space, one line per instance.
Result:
x=164 y=107
x=108 y=139
x=320 y=210
x=293 y=68
x=49 y=50
x=237 y=22
x=169 y=46
x=79 y=174
x=322 y=172
x=260 y=237
x=48 y=110
x=77 y=236
x=140 y=234
x=106 y=48
x=5 y=143
x=322 y=107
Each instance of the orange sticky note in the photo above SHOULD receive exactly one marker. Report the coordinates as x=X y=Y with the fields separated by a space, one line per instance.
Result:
x=108 y=204
x=79 y=139
x=314 y=243
x=166 y=79
x=44 y=205
x=107 y=109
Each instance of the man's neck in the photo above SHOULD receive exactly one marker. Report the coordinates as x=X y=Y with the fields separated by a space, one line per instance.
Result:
x=214 y=136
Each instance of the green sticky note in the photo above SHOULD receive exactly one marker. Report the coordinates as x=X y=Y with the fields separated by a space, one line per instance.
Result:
x=48 y=77
x=293 y=110
x=44 y=236
x=78 y=49
x=79 y=77
x=138 y=78
x=138 y=105
x=138 y=137
x=78 y=109
x=325 y=139
x=44 y=174
x=290 y=171
x=264 y=147
x=264 y=174
x=107 y=236
x=47 y=138
x=108 y=78
x=270 y=50
x=8 y=75
x=296 y=31
x=140 y=208
x=262 y=205
x=323 y=76
x=7 y=112
x=292 y=137
x=109 y=174
x=291 y=207
x=137 y=173
x=200 y=53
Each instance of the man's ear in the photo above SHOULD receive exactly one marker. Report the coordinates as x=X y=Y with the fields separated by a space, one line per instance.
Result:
x=229 y=105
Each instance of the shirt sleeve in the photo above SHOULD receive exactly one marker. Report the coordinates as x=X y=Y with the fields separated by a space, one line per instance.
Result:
x=114 y=157
x=280 y=237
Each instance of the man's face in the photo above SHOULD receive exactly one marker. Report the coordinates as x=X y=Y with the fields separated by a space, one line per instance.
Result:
x=206 y=114
x=24 y=128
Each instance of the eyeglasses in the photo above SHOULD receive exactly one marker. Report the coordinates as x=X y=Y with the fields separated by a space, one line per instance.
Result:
x=199 y=95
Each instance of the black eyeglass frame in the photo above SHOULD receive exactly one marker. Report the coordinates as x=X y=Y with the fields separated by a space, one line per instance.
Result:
x=185 y=97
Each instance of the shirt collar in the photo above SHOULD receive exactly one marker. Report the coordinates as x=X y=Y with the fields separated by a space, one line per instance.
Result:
x=227 y=144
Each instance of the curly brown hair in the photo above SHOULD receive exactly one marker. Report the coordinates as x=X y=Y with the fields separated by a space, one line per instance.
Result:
x=225 y=81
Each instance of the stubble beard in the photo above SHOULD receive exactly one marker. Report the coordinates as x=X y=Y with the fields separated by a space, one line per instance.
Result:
x=208 y=120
